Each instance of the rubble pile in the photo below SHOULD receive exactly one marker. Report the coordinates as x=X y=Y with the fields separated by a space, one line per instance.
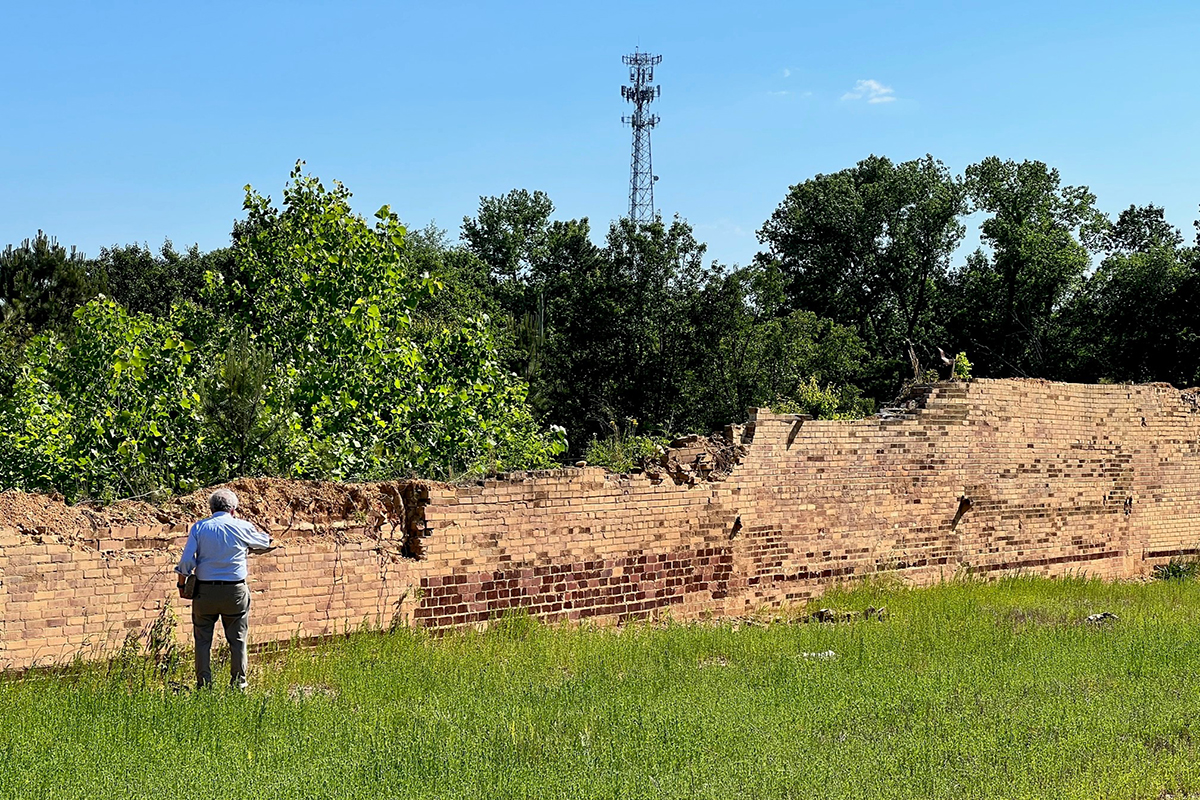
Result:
x=695 y=458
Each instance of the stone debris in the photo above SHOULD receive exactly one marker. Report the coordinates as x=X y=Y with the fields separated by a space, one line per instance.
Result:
x=833 y=615
x=1102 y=617
x=880 y=613
x=695 y=458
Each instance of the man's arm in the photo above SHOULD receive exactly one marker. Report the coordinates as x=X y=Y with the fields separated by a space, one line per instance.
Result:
x=254 y=538
x=187 y=561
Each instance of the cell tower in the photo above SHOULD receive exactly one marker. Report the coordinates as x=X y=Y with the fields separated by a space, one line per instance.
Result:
x=641 y=171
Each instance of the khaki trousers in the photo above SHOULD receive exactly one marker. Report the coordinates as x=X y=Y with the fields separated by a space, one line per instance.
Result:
x=231 y=604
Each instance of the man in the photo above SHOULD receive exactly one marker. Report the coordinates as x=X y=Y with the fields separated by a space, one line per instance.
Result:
x=216 y=551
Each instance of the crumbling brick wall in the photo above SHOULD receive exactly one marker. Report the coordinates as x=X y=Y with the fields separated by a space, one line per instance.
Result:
x=984 y=477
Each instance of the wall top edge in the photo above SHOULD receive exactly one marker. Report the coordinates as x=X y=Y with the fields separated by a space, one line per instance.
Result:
x=32 y=514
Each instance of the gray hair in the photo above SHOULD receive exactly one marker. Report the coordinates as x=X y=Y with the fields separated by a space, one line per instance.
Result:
x=222 y=500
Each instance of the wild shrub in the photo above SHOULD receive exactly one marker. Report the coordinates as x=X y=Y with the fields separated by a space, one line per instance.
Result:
x=829 y=402
x=1177 y=569
x=962 y=367
x=624 y=449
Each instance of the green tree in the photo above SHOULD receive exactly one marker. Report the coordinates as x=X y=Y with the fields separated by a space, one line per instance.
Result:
x=1134 y=318
x=509 y=234
x=246 y=407
x=334 y=298
x=41 y=285
x=135 y=404
x=1002 y=305
x=145 y=281
x=868 y=247
x=110 y=411
x=466 y=290
x=747 y=354
x=619 y=332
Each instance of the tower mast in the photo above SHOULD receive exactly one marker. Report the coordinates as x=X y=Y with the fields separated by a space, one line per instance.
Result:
x=641 y=93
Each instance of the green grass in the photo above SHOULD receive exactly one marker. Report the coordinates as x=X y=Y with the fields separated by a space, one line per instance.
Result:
x=967 y=690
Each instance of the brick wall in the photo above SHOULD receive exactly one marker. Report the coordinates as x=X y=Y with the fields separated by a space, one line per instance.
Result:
x=986 y=477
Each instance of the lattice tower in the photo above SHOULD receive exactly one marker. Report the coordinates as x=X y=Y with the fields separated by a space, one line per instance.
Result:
x=641 y=93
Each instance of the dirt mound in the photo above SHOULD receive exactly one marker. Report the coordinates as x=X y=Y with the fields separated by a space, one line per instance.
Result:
x=263 y=501
x=277 y=501
x=40 y=513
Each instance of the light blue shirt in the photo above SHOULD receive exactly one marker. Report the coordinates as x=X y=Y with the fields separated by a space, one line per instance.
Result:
x=216 y=548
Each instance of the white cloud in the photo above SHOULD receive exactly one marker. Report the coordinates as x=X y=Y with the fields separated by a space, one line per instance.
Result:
x=872 y=91
x=787 y=73
x=784 y=93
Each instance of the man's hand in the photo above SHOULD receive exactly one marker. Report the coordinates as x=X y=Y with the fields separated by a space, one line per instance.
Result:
x=179 y=582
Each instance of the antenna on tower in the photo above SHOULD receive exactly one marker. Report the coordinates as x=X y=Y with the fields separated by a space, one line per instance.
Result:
x=641 y=93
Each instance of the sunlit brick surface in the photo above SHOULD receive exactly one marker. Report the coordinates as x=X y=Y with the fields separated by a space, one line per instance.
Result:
x=985 y=477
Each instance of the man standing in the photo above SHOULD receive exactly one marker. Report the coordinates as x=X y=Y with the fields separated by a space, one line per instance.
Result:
x=216 y=550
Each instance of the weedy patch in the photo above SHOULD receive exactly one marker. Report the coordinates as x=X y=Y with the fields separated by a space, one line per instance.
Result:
x=971 y=690
x=1178 y=569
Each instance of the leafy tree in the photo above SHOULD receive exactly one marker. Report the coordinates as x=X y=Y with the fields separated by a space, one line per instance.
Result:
x=1138 y=229
x=133 y=404
x=868 y=246
x=465 y=284
x=618 y=333
x=746 y=354
x=529 y=262
x=509 y=234
x=110 y=411
x=1134 y=318
x=244 y=407
x=1001 y=306
x=145 y=281
x=334 y=299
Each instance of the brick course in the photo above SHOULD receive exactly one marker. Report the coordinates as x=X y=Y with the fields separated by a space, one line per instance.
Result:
x=987 y=477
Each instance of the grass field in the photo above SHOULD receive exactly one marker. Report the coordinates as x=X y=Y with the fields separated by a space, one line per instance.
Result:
x=966 y=690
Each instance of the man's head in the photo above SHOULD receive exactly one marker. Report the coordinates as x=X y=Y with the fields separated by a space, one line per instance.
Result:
x=222 y=500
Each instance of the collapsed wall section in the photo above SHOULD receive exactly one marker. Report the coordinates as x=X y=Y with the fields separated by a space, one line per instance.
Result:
x=986 y=477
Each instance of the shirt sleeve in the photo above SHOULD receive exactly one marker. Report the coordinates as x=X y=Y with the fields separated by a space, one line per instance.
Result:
x=255 y=538
x=187 y=561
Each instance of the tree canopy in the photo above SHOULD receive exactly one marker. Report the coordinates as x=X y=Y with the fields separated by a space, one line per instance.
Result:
x=324 y=344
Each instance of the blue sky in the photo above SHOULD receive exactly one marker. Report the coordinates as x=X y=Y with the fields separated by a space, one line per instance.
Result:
x=127 y=122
